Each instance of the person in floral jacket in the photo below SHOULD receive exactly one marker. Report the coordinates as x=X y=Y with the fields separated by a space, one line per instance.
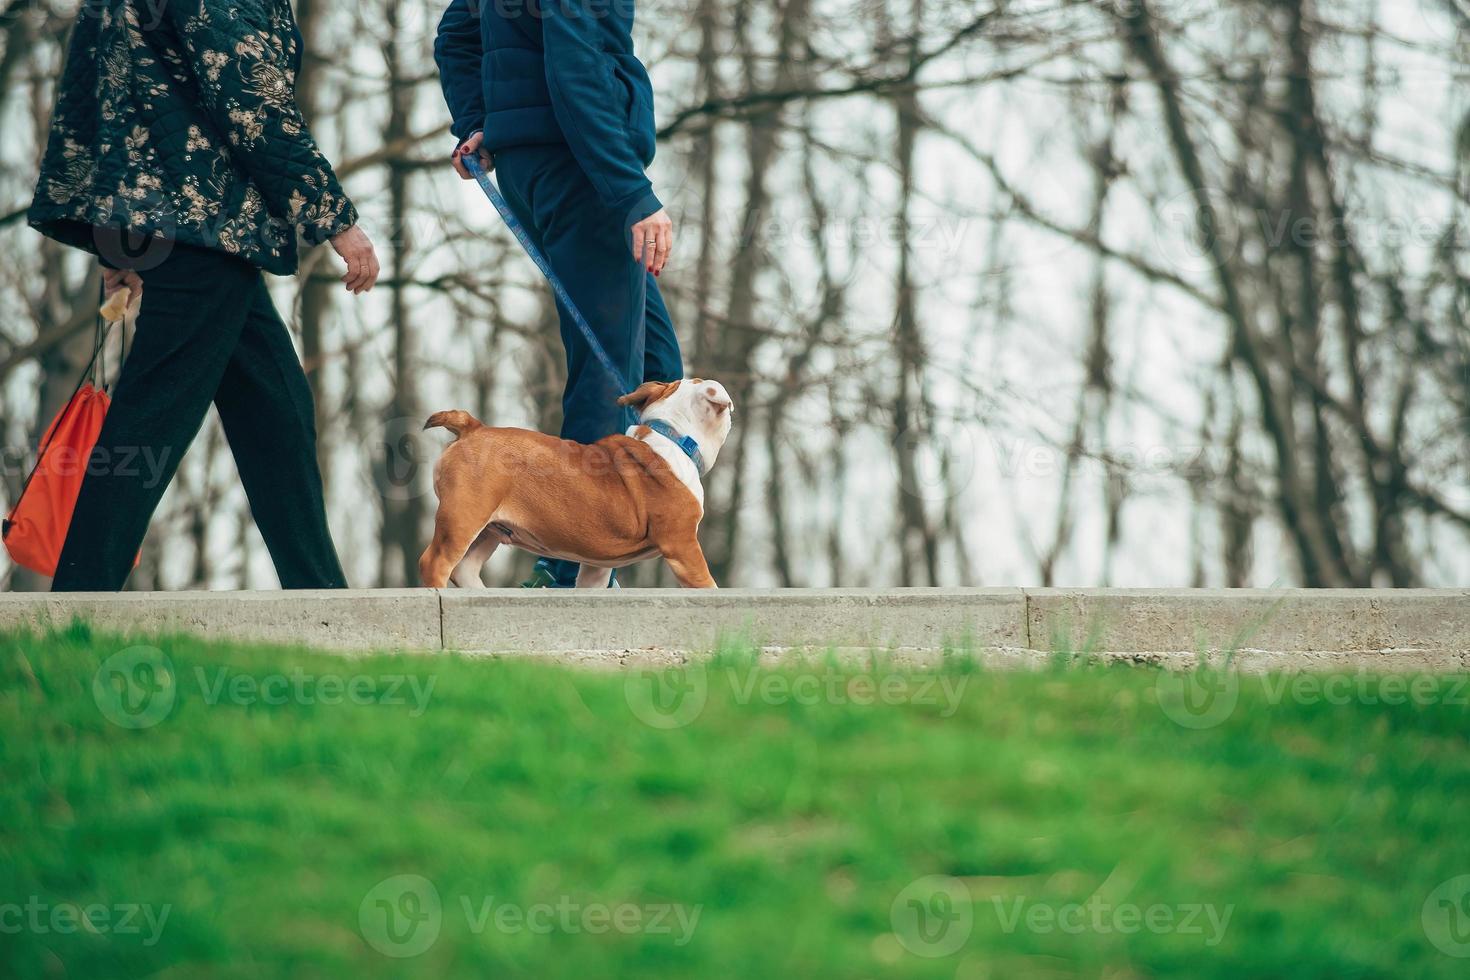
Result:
x=178 y=155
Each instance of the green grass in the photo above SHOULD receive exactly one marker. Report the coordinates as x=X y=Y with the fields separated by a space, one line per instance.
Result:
x=796 y=826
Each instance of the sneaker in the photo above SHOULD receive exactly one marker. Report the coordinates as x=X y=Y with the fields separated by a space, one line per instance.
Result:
x=544 y=576
x=541 y=578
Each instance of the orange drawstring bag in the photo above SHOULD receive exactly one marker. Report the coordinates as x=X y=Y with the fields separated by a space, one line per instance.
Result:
x=36 y=527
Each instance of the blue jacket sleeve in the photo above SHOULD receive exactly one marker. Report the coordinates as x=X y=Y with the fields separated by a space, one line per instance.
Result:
x=585 y=98
x=460 y=56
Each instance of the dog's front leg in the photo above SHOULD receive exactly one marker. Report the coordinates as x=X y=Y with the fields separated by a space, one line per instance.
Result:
x=686 y=561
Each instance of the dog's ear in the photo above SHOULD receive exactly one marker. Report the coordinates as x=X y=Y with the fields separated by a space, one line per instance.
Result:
x=649 y=392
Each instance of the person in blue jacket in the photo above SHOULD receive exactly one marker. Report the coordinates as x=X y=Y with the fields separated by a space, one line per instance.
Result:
x=550 y=94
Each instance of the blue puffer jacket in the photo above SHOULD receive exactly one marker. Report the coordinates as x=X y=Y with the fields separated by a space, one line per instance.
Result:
x=554 y=71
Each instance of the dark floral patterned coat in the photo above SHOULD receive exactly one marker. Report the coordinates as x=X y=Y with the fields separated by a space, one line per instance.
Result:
x=179 y=121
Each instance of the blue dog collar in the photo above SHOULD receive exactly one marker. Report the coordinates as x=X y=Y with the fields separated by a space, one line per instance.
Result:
x=686 y=443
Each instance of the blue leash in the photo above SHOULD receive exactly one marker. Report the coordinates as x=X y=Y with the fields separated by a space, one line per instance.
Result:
x=688 y=444
x=472 y=163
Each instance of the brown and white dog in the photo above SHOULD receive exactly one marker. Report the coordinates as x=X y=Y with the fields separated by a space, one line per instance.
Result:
x=618 y=501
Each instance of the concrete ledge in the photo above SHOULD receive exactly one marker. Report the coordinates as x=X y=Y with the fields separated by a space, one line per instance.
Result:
x=1401 y=629
x=1386 y=630
x=543 y=621
x=386 y=619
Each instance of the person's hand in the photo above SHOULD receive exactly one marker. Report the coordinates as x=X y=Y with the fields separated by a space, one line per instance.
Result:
x=472 y=145
x=652 y=239
x=362 y=262
x=115 y=279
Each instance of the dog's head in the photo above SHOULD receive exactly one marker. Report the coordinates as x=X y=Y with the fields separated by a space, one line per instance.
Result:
x=696 y=407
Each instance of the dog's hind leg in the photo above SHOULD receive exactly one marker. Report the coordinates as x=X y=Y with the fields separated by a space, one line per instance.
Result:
x=592 y=577
x=465 y=509
x=466 y=574
x=455 y=529
x=442 y=554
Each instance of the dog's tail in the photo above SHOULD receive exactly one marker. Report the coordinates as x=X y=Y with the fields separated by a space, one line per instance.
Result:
x=457 y=422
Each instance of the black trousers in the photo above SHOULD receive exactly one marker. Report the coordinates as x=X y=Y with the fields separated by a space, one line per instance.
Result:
x=208 y=332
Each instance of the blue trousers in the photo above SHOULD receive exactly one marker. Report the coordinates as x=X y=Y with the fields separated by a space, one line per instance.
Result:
x=588 y=246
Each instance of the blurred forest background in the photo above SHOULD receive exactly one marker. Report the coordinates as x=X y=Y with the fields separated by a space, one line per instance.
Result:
x=1008 y=293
